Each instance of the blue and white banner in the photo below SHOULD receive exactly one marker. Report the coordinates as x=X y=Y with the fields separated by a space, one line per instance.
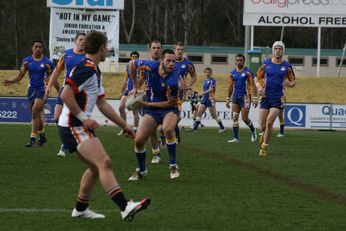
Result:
x=297 y=116
x=15 y=110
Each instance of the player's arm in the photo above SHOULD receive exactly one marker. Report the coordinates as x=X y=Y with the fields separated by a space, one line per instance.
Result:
x=229 y=91
x=17 y=77
x=123 y=85
x=133 y=75
x=291 y=78
x=252 y=90
x=107 y=110
x=193 y=75
x=172 y=101
x=53 y=80
x=260 y=79
x=68 y=96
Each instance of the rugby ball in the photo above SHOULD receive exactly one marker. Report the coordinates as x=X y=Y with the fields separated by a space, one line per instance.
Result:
x=133 y=101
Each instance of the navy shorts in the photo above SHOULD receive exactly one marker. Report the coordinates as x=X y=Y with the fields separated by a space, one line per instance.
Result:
x=267 y=103
x=207 y=102
x=35 y=93
x=59 y=101
x=73 y=136
x=239 y=99
x=159 y=114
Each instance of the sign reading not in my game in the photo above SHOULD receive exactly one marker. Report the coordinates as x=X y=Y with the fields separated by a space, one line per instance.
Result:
x=68 y=22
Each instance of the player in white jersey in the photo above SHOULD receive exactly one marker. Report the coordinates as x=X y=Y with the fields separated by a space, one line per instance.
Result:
x=82 y=92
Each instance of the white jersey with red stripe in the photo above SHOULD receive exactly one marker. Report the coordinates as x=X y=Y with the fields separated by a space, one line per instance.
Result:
x=86 y=82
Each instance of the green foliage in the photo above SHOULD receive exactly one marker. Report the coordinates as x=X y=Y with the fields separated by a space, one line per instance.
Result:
x=223 y=186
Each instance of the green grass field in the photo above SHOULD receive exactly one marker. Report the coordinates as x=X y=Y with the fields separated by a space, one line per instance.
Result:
x=300 y=185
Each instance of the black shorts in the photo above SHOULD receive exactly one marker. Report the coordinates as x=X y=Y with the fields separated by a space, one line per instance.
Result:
x=73 y=136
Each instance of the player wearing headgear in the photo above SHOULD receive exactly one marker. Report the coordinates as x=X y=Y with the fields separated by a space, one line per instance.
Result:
x=162 y=85
x=240 y=89
x=38 y=66
x=208 y=100
x=69 y=59
x=270 y=80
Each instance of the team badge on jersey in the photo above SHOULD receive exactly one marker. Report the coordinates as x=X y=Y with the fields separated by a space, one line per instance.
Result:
x=163 y=85
x=42 y=65
x=183 y=66
x=243 y=74
x=283 y=69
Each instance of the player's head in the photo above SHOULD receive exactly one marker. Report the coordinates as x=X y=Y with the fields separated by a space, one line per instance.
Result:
x=155 y=47
x=96 y=44
x=168 y=60
x=208 y=72
x=134 y=55
x=179 y=50
x=79 y=41
x=240 y=60
x=278 y=49
x=37 y=47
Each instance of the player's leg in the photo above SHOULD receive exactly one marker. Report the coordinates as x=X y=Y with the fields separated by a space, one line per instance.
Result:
x=282 y=123
x=92 y=151
x=201 y=110
x=135 y=119
x=169 y=123
x=273 y=113
x=155 y=148
x=212 y=110
x=87 y=184
x=57 y=112
x=245 y=117
x=235 y=126
x=122 y=110
x=35 y=112
x=147 y=126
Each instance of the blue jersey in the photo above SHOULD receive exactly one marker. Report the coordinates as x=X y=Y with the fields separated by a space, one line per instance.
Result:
x=241 y=81
x=38 y=69
x=272 y=76
x=158 y=88
x=68 y=61
x=182 y=67
x=209 y=83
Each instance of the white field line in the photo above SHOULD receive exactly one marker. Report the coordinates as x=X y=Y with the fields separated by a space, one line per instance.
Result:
x=43 y=210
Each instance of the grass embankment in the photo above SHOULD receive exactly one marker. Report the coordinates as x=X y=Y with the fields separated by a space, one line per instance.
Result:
x=308 y=89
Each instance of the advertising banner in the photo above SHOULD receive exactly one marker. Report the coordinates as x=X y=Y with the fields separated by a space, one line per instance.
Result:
x=66 y=23
x=311 y=13
x=15 y=110
x=297 y=116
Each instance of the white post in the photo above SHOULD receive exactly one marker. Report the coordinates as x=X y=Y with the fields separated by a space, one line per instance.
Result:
x=282 y=33
x=341 y=60
x=252 y=37
x=318 y=51
x=246 y=45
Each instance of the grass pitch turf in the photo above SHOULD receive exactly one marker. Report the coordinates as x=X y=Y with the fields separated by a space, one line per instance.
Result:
x=298 y=186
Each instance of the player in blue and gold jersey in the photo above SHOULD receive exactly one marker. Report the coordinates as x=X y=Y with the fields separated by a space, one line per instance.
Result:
x=184 y=67
x=38 y=66
x=208 y=100
x=126 y=87
x=161 y=107
x=271 y=78
x=69 y=59
x=241 y=88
